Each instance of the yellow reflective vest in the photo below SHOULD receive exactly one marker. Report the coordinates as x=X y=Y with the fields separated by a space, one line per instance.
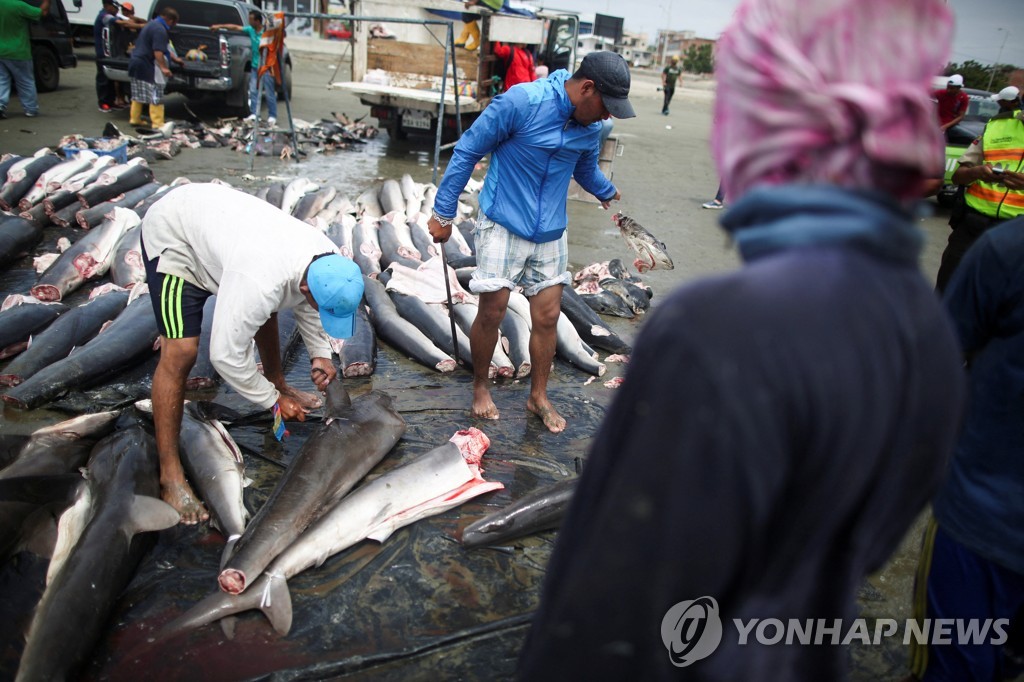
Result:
x=1003 y=144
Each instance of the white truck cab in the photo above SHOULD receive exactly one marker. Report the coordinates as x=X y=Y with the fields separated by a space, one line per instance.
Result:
x=399 y=76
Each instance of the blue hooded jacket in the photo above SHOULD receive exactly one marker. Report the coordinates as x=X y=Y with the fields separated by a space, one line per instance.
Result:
x=536 y=146
x=981 y=504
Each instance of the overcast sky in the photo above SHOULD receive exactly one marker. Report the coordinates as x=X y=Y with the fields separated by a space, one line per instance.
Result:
x=977 y=35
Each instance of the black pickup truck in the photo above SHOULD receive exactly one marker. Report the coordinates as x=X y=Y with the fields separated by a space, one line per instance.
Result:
x=51 y=46
x=225 y=72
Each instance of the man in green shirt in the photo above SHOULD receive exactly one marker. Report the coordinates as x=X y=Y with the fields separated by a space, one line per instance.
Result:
x=668 y=82
x=16 y=53
x=255 y=32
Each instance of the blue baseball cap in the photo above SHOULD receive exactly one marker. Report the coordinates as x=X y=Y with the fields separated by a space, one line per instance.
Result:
x=336 y=284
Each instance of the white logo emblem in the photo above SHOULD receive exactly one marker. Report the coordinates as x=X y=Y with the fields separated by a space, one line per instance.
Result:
x=691 y=630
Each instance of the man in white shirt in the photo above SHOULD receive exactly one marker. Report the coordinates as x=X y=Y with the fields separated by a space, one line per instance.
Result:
x=205 y=239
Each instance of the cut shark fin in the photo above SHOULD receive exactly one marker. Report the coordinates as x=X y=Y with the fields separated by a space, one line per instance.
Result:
x=270 y=595
x=227 y=626
x=337 y=399
x=229 y=549
x=276 y=603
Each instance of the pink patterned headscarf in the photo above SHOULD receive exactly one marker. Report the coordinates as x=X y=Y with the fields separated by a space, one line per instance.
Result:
x=830 y=91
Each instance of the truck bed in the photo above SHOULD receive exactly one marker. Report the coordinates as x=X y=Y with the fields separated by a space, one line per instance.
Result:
x=410 y=98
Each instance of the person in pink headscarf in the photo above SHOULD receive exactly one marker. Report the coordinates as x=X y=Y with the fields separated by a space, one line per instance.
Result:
x=780 y=426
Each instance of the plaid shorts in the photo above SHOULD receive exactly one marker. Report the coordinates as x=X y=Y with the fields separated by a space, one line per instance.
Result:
x=504 y=260
x=147 y=93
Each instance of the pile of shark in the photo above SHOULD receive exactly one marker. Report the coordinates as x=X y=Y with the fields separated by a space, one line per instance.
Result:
x=384 y=230
x=337 y=133
x=86 y=491
x=96 y=527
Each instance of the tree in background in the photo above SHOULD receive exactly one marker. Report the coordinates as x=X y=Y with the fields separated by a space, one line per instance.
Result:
x=979 y=75
x=698 y=59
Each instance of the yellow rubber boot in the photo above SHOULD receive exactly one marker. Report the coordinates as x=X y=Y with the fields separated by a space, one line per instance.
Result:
x=156 y=115
x=136 y=115
x=470 y=37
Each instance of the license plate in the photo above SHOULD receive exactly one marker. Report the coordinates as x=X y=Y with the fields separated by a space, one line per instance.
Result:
x=416 y=119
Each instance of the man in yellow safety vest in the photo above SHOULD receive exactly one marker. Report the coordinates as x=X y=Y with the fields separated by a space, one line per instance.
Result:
x=992 y=171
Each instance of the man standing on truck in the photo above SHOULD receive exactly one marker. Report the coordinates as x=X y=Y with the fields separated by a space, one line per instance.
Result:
x=539 y=135
x=518 y=62
x=953 y=102
x=127 y=30
x=16 y=53
x=149 y=69
x=205 y=239
x=106 y=93
x=255 y=32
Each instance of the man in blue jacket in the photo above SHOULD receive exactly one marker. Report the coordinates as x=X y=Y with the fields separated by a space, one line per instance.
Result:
x=539 y=136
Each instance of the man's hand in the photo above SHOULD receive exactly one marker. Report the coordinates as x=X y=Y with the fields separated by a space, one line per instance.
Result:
x=439 y=233
x=323 y=372
x=607 y=204
x=1014 y=181
x=290 y=409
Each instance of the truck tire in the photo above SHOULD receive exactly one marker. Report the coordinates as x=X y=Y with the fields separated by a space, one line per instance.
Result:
x=396 y=131
x=47 y=70
x=286 y=81
x=238 y=99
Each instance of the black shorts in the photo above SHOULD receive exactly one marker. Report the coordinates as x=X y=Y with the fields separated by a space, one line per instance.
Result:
x=177 y=304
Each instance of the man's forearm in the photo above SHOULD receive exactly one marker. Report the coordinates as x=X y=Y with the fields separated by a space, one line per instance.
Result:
x=965 y=174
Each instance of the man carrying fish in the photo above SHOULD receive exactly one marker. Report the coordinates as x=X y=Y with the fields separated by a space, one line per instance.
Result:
x=205 y=239
x=539 y=136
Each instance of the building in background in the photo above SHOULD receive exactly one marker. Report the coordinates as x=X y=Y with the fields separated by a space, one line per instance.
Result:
x=676 y=43
x=635 y=50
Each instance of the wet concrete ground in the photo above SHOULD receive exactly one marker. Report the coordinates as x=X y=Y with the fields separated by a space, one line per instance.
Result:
x=419 y=605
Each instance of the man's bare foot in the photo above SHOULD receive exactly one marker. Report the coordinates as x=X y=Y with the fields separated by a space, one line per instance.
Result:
x=184 y=501
x=547 y=413
x=309 y=401
x=483 y=405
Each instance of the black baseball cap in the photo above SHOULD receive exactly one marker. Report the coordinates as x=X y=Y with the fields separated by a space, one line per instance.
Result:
x=610 y=74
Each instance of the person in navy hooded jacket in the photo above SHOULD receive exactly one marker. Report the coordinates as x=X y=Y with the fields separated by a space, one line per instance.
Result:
x=539 y=135
x=783 y=424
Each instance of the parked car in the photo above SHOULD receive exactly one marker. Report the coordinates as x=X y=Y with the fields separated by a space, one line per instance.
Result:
x=225 y=73
x=337 y=30
x=51 y=46
x=981 y=108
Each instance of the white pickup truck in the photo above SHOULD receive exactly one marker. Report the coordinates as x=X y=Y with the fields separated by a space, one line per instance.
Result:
x=82 y=15
x=399 y=76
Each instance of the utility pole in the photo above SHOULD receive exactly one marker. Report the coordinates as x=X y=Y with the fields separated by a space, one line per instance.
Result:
x=999 y=56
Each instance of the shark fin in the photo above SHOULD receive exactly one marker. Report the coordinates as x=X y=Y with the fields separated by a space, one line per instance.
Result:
x=229 y=549
x=276 y=603
x=337 y=400
x=214 y=607
x=149 y=513
x=227 y=626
